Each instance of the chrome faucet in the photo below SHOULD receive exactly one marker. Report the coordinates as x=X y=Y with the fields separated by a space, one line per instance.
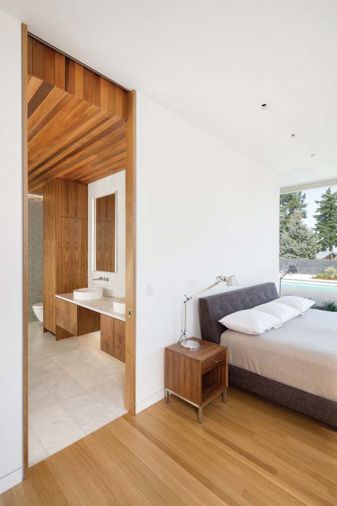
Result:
x=101 y=278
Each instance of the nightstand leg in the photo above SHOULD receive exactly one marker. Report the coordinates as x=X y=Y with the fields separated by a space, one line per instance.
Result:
x=200 y=415
x=167 y=396
x=224 y=396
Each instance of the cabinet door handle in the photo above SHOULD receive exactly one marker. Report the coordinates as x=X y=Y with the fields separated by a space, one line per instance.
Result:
x=129 y=312
x=219 y=361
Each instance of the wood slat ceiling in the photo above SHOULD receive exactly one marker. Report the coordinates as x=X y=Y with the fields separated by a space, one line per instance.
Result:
x=76 y=121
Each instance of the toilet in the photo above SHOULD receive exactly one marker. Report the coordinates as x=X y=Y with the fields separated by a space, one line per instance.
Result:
x=38 y=311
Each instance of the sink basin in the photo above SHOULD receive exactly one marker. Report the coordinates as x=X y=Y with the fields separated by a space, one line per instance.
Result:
x=118 y=306
x=88 y=293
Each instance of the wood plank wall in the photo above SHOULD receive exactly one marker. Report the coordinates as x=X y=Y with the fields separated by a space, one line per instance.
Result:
x=65 y=263
x=76 y=120
x=56 y=69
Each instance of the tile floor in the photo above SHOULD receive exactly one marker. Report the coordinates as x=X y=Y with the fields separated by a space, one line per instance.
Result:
x=74 y=389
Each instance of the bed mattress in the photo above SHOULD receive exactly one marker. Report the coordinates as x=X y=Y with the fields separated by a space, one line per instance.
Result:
x=302 y=353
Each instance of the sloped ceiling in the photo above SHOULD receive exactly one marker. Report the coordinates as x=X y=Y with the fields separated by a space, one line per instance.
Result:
x=238 y=53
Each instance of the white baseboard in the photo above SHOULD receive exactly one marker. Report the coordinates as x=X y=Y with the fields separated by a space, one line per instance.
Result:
x=152 y=399
x=11 y=479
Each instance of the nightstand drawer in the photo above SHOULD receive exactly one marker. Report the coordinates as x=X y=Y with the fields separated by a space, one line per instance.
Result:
x=218 y=359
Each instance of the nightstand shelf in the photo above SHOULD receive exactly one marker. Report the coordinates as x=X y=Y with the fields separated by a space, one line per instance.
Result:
x=197 y=377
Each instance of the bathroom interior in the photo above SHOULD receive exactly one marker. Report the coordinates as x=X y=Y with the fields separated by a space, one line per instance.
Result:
x=77 y=166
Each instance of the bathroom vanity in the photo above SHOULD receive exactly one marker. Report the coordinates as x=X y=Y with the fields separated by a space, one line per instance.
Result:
x=77 y=317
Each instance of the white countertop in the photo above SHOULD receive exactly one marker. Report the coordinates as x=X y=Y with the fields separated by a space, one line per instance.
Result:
x=103 y=305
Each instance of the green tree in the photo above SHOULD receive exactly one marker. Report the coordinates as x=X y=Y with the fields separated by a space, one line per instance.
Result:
x=297 y=240
x=289 y=203
x=326 y=221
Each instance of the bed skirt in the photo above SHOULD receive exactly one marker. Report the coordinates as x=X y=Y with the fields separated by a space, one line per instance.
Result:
x=316 y=407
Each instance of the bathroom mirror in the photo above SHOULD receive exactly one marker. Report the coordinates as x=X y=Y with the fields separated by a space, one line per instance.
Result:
x=105 y=233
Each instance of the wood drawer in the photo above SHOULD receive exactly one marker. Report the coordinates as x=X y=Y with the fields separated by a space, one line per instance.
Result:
x=113 y=337
x=119 y=328
x=218 y=359
x=66 y=315
x=119 y=348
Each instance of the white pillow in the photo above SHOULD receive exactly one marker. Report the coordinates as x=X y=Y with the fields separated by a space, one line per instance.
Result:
x=250 y=321
x=282 y=312
x=300 y=303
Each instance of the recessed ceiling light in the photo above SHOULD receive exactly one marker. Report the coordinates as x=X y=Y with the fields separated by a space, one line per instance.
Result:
x=264 y=106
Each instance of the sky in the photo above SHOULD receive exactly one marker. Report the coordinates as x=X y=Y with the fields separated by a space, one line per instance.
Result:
x=311 y=196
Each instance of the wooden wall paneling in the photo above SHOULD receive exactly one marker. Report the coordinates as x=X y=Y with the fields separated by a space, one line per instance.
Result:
x=72 y=215
x=73 y=114
x=49 y=256
x=32 y=85
x=25 y=55
x=104 y=85
x=130 y=324
x=49 y=65
x=65 y=215
x=57 y=69
x=60 y=76
x=37 y=62
x=79 y=87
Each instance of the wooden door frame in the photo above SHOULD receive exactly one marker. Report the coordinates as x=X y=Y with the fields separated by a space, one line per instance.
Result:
x=130 y=277
x=24 y=73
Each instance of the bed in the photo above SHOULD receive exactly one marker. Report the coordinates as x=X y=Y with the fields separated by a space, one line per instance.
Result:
x=295 y=365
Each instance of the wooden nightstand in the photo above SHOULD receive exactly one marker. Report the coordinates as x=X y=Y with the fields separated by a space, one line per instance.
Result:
x=197 y=377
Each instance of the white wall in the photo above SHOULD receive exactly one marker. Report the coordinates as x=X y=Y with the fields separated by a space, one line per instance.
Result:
x=203 y=210
x=105 y=186
x=10 y=255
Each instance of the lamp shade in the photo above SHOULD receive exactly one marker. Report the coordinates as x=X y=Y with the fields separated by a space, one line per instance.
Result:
x=231 y=280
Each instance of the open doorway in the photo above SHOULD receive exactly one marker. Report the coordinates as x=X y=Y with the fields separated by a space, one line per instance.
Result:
x=79 y=213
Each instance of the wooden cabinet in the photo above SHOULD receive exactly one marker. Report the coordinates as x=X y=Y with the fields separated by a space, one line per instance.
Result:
x=113 y=337
x=66 y=316
x=197 y=376
x=73 y=320
x=65 y=244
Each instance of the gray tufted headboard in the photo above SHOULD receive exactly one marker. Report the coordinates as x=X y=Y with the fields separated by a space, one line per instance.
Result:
x=215 y=307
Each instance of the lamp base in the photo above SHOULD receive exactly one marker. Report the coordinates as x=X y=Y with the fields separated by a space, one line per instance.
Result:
x=190 y=344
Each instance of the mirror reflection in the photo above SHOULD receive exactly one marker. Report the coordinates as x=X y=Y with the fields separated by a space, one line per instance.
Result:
x=106 y=233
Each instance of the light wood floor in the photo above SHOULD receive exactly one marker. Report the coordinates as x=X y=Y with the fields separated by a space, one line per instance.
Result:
x=248 y=451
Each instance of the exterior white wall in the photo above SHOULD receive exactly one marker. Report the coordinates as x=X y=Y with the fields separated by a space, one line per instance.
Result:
x=105 y=186
x=203 y=210
x=10 y=255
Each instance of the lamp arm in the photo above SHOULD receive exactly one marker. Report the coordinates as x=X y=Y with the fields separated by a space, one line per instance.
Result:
x=189 y=297
x=284 y=275
x=219 y=280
